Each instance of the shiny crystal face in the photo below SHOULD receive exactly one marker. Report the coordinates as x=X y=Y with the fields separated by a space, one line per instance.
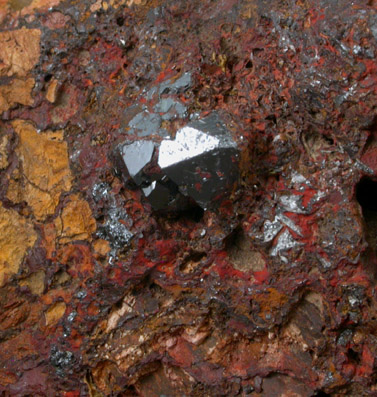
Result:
x=196 y=139
x=202 y=160
x=136 y=155
x=200 y=165
x=189 y=143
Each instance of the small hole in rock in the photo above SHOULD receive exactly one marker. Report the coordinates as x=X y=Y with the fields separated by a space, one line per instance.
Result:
x=271 y=117
x=354 y=356
x=234 y=238
x=192 y=262
x=366 y=195
x=118 y=304
x=328 y=139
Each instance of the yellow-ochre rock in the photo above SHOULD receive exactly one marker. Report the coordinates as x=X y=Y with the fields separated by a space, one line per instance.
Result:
x=17 y=234
x=20 y=50
x=44 y=169
x=76 y=221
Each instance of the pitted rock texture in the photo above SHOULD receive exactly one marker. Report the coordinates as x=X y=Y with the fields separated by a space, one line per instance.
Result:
x=270 y=292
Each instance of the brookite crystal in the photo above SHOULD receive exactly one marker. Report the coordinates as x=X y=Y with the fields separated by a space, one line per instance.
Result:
x=200 y=165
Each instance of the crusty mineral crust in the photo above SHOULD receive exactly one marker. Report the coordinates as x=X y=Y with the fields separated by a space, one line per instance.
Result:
x=270 y=293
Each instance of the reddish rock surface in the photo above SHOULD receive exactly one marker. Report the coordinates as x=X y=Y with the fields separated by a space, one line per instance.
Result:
x=270 y=293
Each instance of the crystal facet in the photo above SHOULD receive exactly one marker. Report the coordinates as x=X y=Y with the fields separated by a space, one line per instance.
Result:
x=202 y=160
x=136 y=156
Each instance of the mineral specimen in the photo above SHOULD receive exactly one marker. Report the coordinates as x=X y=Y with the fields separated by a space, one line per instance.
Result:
x=114 y=280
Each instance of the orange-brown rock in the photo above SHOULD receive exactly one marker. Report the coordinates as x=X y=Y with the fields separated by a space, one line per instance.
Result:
x=76 y=221
x=36 y=5
x=13 y=315
x=35 y=282
x=49 y=237
x=101 y=247
x=18 y=91
x=19 y=51
x=3 y=152
x=57 y=295
x=7 y=377
x=45 y=169
x=113 y=3
x=55 y=313
x=16 y=236
x=52 y=91
x=18 y=347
